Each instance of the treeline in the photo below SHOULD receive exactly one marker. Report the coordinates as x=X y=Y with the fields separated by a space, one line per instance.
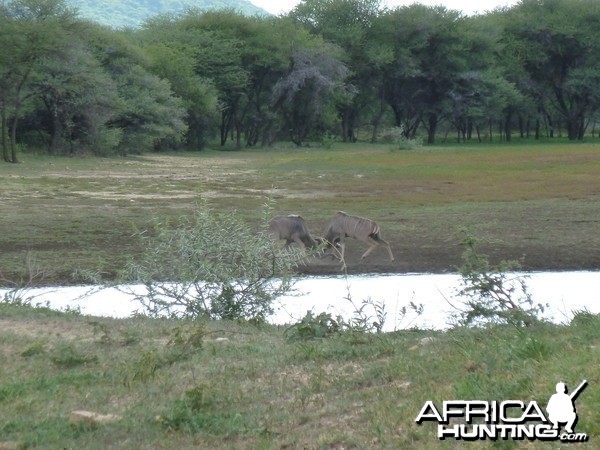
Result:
x=343 y=69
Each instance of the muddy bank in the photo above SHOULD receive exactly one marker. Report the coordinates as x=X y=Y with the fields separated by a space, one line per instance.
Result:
x=414 y=256
x=426 y=258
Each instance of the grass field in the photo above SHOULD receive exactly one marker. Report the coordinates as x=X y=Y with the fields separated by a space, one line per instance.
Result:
x=224 y=385
x=538 y=203
x=180 y=384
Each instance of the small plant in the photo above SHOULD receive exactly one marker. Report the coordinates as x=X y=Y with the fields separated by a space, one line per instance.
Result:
x=144 y=369
x=399 y=140
x=34 y=274
x=416 y=310
x=325 y=325
x=493 y=294
x=314 y=327
x=327 y=140
x=185 y=341
x=129 y=337
x=37 y=348
x=188 y=339
x=66 y=356
x=200 y=410
x=530 y=347
x=20 y=292
x=368 y=316
x=104 y=332
x=587 y=323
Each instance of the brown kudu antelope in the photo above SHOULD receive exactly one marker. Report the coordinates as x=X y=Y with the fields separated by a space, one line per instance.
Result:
x=344 y=225
x=292 y=228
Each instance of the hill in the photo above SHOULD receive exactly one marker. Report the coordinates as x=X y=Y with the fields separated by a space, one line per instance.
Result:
x=131 y=13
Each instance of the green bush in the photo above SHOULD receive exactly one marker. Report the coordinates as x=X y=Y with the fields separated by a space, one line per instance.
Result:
x=212 y=265
x=66 y=356
x=493 y=294
x=314 y=327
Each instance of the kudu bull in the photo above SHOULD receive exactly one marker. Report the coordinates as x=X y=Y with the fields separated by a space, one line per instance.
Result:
x=291 y=228
x=344 y=225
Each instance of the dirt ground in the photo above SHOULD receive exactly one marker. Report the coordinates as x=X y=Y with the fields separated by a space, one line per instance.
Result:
x=423 y=257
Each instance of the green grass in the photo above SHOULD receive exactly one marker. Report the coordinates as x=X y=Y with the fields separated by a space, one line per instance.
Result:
x=536 y=201
x=241 y=386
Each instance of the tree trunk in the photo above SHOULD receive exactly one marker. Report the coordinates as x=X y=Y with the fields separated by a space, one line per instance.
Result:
x=238 y=137
x=521 y=127
x=224 y=127
x=432 y=121
x=4 y=132
x=377 y=119
x=572 y=129
x=469 y=129
x=507 y=127
x=56 y=133
x=348 y=124
x=13 y=139
x=550 y=126
x=376 y=123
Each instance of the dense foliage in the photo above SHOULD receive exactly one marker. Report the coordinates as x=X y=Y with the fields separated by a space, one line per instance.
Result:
x=342 y=69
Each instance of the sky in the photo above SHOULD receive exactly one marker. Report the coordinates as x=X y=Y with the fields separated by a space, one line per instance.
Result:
x=467 y=6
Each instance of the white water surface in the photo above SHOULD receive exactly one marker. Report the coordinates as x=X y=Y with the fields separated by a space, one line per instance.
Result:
x=564 y=292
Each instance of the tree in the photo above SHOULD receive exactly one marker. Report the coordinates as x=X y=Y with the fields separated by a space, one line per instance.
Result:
x=147 y=114
x=346 y=23
x=482 y=99
x=172 y=55
x=30 y=31
x=303 y=95
x=75 y=101
x=150 y=112
x=244 y=57
x=432 y=53
x=483 y=95
x=558 y=46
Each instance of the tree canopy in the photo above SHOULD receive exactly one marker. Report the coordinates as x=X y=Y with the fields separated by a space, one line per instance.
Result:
x=342 y=69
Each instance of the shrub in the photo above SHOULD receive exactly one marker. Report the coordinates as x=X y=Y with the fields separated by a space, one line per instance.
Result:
x=493 y=294
x=314 y=327
x=212 y=265
x=367 y=317
x=397 y=137
x=66 y=356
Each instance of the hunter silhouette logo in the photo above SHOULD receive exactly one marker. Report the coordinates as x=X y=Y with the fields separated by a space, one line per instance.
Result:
x=510 y=419
x=561 y=406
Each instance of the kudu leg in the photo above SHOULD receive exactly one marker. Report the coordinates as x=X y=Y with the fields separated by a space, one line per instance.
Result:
x=374 y=242
x=298 y=241
x=369 y=250
x=389 y=248
x=342 y=251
